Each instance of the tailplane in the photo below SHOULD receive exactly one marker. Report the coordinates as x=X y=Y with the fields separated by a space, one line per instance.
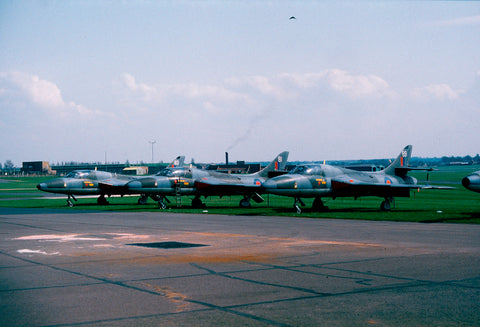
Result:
x=177 y=162
x=278 y=164
x=400 y=165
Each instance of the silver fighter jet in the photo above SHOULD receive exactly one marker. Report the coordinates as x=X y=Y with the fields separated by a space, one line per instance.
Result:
x=198 y=182
x=93 y=182
x=87 y=182
x=320 y=180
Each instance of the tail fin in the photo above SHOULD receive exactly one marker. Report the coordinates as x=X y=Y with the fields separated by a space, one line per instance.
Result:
x=398 y=167
x=279 y=163
x=177 y=162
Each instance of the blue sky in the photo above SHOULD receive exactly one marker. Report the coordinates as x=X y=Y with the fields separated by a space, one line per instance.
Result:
x=344 y=80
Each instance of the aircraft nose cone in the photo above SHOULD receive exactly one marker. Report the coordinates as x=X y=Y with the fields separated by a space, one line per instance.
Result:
x=42 y=186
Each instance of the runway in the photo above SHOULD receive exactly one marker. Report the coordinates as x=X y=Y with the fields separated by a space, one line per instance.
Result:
x=80 y=268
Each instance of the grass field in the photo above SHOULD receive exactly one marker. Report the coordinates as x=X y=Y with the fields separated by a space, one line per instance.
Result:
x=457 y=205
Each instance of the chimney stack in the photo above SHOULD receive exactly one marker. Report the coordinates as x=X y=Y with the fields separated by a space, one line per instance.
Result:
x=226 y=158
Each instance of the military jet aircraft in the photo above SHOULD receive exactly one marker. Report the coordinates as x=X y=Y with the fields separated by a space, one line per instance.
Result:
x=92 y=182
x=472 y=181
x=87 y=182
x=198 y=182
x=320 y=180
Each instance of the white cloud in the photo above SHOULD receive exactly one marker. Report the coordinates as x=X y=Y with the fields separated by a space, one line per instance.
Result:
x=437 y=92
x=251 y=89
x=42 y=93
x=159 y=92
x=145 y=91
x=285 y=86
x=357 y=86
x=272 y=87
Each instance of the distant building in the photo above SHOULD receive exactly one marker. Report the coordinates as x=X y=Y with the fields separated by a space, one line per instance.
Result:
x=135 y=170
x=37 y=168
x=239 y=168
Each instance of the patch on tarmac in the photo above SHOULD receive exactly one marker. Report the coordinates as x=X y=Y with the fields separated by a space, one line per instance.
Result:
x=168 y=245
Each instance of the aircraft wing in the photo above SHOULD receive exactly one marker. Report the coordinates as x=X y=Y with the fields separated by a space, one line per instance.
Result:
x=114 y=185
x=352 y=187
x=227 y=185
x=435 y=187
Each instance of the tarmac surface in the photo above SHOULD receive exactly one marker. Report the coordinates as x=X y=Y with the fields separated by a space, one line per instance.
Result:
x=76 y=268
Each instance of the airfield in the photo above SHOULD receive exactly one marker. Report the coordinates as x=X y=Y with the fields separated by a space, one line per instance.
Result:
x=130 y=265
x=65 y=267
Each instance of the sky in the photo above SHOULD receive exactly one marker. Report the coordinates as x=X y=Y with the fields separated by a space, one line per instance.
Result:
x=90 y=81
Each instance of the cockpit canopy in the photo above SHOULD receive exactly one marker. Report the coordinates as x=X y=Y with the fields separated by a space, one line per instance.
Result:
x=306 y=170
x=89 y=174
x=80 y=174
x=171 y=172
x=320 y=170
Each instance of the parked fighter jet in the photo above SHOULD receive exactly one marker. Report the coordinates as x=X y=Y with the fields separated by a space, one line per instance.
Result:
x=93 y=182
x=318 y=181
x=472 y=181
x=87 y=182
x=198 y=182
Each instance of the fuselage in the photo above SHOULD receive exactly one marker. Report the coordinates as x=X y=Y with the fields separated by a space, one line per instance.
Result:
x=81 y=182
x=169 y=181
x=330 y=181
x=472 y=181
x=193 y=181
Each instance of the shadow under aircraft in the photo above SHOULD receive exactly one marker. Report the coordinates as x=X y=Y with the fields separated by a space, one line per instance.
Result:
x=321 y=180
x=93 y=182
x=181 y=181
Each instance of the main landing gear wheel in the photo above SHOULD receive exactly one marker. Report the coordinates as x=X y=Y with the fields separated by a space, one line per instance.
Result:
x=197 y=203
x=386 y=205
x=245 y=203
x=102 y=200
x=318 y=205
x=143 y=200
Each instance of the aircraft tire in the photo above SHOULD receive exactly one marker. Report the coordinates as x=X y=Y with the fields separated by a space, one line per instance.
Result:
x=69 y=204
x=297 y=207
x=197 y=203
x=318 y=205
x=101 y=200
x=385 y=205
x=244 y=203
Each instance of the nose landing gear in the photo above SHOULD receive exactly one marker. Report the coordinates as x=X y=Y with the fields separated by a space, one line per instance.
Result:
x=296 y=205
x=69 y=201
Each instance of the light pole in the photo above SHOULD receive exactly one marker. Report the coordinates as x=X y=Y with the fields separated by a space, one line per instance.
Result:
x=152 y=143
